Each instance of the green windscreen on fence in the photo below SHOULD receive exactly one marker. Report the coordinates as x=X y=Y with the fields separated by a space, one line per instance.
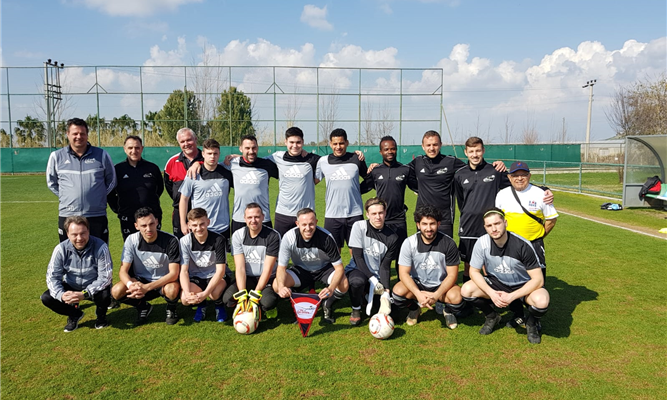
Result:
x=33 y=160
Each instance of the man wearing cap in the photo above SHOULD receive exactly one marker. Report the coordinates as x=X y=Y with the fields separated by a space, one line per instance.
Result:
x=527 y=215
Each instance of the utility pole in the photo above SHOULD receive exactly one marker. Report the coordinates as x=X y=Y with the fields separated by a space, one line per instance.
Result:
x=53 y=94
x=589 y=84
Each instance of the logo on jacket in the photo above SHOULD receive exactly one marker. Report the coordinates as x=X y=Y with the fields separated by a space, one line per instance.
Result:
x=441 y=171
x=400 y=177
x=293 y=172
x=340 y=175
x=489 y=178
x=90 y=161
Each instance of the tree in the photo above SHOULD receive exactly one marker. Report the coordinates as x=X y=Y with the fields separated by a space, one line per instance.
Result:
x=208 y=81
x=529 y=133
x=328 y=114
x=173 y=116
x=30 y=132
x=640 y=108
x=5 y=138
x=123 y=125
x=234 y=119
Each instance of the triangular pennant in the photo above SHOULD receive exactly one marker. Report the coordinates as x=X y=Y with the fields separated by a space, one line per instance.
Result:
x=305 y=307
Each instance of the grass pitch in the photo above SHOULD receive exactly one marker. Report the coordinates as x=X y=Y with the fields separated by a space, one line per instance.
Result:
x=604 y=334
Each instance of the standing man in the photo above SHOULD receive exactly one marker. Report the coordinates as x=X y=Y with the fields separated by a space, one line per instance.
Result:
x=512 y=274
x=374 y=246
x=255 y=248
x=296 y=172
x=528 y=216
x=139 y=185
x=176 y=169
x=203 y=266
x=343 y=195
x=81 y=176
x=434 y=175
x=80 y=269
x=316 y=257
x=149 y=268
x=209 y=190
x=389 y=180
x=428 y=267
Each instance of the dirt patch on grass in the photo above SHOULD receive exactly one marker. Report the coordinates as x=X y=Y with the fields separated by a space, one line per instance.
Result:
x=638 y=228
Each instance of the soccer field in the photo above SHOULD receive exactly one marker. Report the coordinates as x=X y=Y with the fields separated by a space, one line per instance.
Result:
x=605 y=335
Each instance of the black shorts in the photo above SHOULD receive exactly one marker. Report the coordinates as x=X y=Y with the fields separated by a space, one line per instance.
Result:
x=202 y=283
x=421 y=286
x=340 y=228
x=127 y=225
x=495 y=284
x=97 y=226
x=465 y=248
x=238 y=225
x=401 y=229
x=538 y=245
x=176 y=223
x=307 y=279
x=447 y=228
x=284 y=223
x=153 y=294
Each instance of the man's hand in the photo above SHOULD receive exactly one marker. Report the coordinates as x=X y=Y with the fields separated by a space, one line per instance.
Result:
x=228 y=159
x=325 y=293
x=190 y=297
x=71 y=297
x=372 y=167
x=184 y=229
x=423 y=300
x=497 y=299
x=201 y=296
x=499 y=166
x=360 y=154
x=137 y=290
x=548 y=197
x=507 y=298
x=285 y=292
x=194 y=170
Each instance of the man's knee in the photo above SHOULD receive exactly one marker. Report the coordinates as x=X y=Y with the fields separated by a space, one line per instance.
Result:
x=453 y=295
x=171 y=290
x=468 y=289
x=539 y=298
x=118 y=291
x=356 y=279
x=46 y=298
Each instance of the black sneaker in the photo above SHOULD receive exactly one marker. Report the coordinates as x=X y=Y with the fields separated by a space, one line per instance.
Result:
x=73 y=323
x=489 y=324
x=143 y=314
x=328 y=314
x=534 y=335
x=516 y=321
x=114 y=304
x=172 y=317
x=355 y=318
x=101 y=323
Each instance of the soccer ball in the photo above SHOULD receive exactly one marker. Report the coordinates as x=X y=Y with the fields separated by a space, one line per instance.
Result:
x=381 y=326
x=245 y=323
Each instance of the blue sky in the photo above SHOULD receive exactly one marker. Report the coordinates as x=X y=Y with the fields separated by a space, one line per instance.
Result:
x=523 y=61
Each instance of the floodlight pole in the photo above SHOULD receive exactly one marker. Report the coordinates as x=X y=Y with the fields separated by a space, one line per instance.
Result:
x=589 y=84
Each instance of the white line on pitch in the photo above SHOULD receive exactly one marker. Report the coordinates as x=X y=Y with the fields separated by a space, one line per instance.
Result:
x=615 y=226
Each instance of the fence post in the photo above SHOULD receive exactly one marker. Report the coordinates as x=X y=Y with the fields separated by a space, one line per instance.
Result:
x=580 y=173
x=544 y=173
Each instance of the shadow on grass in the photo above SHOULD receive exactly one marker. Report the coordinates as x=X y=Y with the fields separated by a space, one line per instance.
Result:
x=564 y=300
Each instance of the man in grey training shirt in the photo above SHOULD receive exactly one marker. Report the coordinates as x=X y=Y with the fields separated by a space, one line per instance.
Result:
x=149 y=268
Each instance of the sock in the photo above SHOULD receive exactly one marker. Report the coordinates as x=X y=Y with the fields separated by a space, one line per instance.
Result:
x=203 y=304
x=483 y=304
x=534 y=314
x=517 y=308
x=171 y=304
x=402 y=302
x=454 y=308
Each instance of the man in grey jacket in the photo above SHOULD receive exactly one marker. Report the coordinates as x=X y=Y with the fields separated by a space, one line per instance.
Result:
x=81 y=175
x=80 y=269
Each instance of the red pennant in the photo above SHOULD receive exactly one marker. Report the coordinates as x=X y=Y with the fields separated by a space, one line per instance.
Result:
x=305 y=307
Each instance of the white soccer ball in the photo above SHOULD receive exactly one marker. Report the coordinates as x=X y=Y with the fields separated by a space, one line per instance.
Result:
x=381 y=326
x=245 y=323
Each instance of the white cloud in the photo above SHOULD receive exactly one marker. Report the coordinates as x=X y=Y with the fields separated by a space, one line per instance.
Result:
x=139 y=28
x=316 y=17
x=135 y=8
x=386 y=8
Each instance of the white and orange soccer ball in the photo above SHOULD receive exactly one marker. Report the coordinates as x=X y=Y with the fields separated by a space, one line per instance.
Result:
x=381 y=326
x=245 y=323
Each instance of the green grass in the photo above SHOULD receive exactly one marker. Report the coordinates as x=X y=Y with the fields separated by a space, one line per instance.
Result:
x=591 y=182
x=604 y=335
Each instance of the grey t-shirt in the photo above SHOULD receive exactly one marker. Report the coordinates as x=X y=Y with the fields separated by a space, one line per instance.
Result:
x=429 y=262
x=201 y=258
x=151 y=261
x=255 y=250
x=312 y=255
x=510 y=264
x=296 y=182
x=251 y=185
x=210 y=191
x=343 y=196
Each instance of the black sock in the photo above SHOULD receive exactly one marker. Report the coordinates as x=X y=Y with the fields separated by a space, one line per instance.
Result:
x=454 y=308
x=483 y=304
x=517 y=308
x=402 y=302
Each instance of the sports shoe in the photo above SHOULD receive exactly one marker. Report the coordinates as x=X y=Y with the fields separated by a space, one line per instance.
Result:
x=114 y=304
x=385 y=306
x=328 y=314
x=489 y=324
x=73 y=323
x=451 y=321
x=355 y=318
x=270 y=314
x=220 y=313
x=200 y=314
x=534 y=335
x=101 y=323
x=413 y=315
x=172 y=317
x=144 y=312
x=439 y=307
x=516 y=321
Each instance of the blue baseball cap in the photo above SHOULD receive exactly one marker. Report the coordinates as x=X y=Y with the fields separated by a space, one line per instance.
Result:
x=519 y=166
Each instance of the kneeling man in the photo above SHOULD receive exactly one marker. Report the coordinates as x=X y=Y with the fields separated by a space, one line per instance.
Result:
x=80 y=269
x=149 y=268
x=203 y=266
x=428 y=267
x=513 y=272
x=316 y=257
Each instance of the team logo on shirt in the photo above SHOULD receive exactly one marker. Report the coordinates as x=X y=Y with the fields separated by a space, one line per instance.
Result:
x=148 y=175
x=381 y=177
x=489 y=178
x=400 y=177
x=309 y=255
x=152 y=262
x=465 y=182
x=67 y=162
x=429 y=264
x=205 y=260
x=213 y=191
x=250 y=179
x=253 y=257
x=90 y=161
x=340 y=175
x=125 y=176
x=293 y=172
x=373 y=250
x=423 y=170
x=503 y=268
x=441 y=171
x=532 y=204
